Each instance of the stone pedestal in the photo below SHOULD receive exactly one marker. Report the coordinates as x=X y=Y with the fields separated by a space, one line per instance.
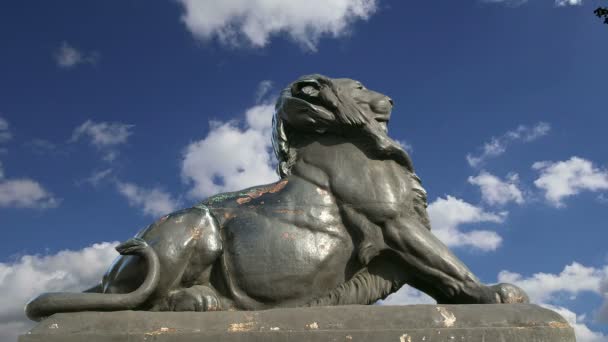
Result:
x=410 y=323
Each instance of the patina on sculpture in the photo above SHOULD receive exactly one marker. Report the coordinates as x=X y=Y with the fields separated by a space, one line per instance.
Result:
x=345 y=224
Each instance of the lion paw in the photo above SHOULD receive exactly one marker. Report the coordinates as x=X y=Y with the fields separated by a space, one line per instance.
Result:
x=195 y=298
x=510 y=294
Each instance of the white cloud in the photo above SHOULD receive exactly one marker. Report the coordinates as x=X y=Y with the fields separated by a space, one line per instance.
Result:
x=567 y=178
x=562 y=3
x=498 y=146
x=96 y=177
x=544 y=289
x=231 y=157
x=22 y=192
x=33 y=274
x=104 y=135
x=68 y=56
x=5 y=133
x=25 y=193
x=495 y=191
x=154 y=202
x=406 y=146
x=264 y=88
x=407 y=295
x=253 y=22
x=449 y=213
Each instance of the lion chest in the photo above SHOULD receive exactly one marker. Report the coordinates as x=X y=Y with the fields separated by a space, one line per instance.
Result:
x=378 y=188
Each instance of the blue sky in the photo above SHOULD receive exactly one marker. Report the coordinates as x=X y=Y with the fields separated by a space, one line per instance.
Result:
x=113 y=113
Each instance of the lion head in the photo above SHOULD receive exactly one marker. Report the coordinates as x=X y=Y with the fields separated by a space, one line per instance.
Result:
x=316 y=104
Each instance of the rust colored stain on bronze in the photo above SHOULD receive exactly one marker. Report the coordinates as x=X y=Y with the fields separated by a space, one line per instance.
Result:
x=228 y=215
x=278 y=187
x=242 y=200
x=196 y=233
x=259 y=192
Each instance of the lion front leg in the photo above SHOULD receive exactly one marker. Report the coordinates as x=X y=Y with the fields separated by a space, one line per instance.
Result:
x=432 y=268
x=371 y=241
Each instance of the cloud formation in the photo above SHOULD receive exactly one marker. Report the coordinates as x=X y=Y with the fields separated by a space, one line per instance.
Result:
x=448 y=214
x=231 y=156
x=25 y=193
x=561 y=3
x=5 y=133
x=106 y=136
x=21 y=192
x=31 y=275
x=253 y=22
x=498 y=146
x=567 y=178
x=68 y=56
x=495 y=191
x=264 y=88
x=407 y=295
x=97 y=177
x=154 y=202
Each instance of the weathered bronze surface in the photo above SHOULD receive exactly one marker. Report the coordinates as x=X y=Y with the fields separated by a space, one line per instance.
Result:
x=346 y=224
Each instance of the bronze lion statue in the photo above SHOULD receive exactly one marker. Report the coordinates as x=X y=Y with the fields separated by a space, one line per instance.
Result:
x=345 y=224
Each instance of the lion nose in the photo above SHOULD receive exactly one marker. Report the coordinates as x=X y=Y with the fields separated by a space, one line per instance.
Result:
x=391 y=101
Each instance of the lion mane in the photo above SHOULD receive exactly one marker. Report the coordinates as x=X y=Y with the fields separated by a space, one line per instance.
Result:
x=337 y=112
x=342 y=114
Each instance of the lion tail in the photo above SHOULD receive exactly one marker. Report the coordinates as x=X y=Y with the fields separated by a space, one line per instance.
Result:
x=50 y=303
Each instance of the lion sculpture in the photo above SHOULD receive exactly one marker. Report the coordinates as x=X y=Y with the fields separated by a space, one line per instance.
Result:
x=345 y=224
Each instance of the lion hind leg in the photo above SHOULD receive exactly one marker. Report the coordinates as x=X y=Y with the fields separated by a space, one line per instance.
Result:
x=194 y=298
x=187 y=243
x=371 y=241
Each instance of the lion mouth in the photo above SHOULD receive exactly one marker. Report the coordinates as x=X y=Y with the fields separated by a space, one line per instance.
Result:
x=383 y=122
